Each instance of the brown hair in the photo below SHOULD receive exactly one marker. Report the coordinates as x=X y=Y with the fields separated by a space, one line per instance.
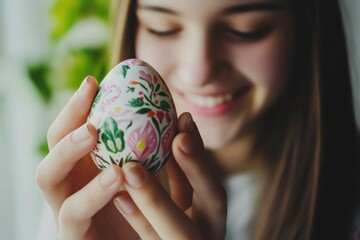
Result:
x=293 y=154
x=123 y=18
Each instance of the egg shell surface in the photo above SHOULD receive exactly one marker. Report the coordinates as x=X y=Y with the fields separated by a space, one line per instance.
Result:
x=135 y=117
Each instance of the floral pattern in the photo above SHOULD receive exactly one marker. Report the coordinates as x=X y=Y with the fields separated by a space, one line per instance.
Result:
x=143 y=141
x=166 y=140
x=112 y=137
x=135 y=117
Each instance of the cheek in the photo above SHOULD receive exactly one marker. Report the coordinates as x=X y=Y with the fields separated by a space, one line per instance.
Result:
x=154 y=52
x=267 y=66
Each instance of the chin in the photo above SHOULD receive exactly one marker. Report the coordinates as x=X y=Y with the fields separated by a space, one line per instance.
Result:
x=216 y=137
x=220 y=131
x=214 y=145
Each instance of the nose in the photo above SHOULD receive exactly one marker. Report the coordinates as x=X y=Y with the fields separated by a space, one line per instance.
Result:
x=200 y=60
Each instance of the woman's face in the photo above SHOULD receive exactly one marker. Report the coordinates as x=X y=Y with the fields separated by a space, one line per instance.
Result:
x=225 y=62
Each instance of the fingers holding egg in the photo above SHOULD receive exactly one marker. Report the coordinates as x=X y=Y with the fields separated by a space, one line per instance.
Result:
x=74 y=113
x=53 y=172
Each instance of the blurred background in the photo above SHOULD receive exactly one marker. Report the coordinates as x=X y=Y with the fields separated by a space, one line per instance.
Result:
x=47 y=47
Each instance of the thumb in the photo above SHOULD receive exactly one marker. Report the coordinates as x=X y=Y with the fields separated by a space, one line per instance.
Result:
x=186 y=124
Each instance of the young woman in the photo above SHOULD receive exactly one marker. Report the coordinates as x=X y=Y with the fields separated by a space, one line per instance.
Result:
x=249 y=73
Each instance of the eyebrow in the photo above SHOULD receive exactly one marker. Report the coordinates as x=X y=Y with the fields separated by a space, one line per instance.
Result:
x=157 y=9
x=250 y=7
x=242 y=8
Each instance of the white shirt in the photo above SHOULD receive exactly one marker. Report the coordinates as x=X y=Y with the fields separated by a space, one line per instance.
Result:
x=242 y=192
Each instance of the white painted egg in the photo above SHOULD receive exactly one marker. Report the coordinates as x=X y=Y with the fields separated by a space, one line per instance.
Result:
x=135 y=116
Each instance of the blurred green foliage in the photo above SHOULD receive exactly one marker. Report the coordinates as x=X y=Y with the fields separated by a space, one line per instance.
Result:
x=38 y=73
x=71 y=58
x=66 y=66
x=67 y=12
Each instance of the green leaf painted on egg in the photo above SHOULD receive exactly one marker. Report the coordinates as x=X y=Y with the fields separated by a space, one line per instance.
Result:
x=136 y=102
x=130 y=89
x=165 y=106
x=112 y=137
x=163 y=94
x=157 y=88
x=143 y=110
x=124 y=70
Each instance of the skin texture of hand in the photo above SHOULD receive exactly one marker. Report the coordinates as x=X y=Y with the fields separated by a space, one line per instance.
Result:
x=196 y=207
x=86 y=203
x=79 y=196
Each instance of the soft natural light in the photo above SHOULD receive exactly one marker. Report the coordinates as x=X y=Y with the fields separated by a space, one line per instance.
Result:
x=26 y=112
x=23 y=38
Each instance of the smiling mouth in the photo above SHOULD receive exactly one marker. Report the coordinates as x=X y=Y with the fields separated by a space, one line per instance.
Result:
x=213 y=101
x=209 y=101
x=214 y=105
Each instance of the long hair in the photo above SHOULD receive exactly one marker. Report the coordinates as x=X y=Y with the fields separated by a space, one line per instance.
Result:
x=339 y=186
x=294 y=139
x=291 y=140
x=122 y=16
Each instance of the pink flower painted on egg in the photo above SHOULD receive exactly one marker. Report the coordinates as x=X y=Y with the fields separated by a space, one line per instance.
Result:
x=109 y=94
x=135 y=62
x=143 y=141
x=146 y=76
x=167 y=140
x=138 y=62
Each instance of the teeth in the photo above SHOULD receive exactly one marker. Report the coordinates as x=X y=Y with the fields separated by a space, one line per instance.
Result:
x=209 y=102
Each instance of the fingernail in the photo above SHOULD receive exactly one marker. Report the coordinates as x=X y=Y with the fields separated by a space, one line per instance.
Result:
x=188 y=144
x=134 y=176
x=84 y=84
x=190 y=125
x=81 y=134
x=108 y=177
x=125 y=204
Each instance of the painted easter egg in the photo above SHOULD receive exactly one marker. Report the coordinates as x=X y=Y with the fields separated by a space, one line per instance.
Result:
x=135 y=116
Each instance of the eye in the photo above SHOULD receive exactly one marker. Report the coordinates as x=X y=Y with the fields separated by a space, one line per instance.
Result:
x=163 y=33
x=251 y=35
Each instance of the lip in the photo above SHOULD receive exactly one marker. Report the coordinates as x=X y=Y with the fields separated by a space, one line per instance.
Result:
x=217 y=110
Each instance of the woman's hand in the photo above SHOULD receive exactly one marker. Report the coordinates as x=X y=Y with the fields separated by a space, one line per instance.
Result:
x=196 y=207
x=79 y=196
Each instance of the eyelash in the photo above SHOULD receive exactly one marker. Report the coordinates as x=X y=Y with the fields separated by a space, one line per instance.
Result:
x=238 y=35
x=252 y=35
x=163 y=33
